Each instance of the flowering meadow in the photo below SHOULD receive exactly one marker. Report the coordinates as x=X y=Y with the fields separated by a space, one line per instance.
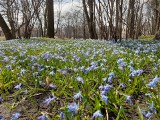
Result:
x=79 y=80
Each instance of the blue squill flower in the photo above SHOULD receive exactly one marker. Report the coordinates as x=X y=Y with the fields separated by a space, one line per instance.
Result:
x=43 y=117
x=80 y=79
x=122 y=85
x=154 y=82
x=148 y=95
x=18 y=87
x=48 y=100
x=128 y=98
x=97 y=114
x=62 y=115
x=8 y=67
x=5 y=59
x=136 y=73
x=152 y=108
x=156 y=78
x=22 y=71
x=0 y=99
x=51 y=73
x=1 y=117
x=52 y=86
x=112 y=74
x=105 y=89
x=110 y=79
x=35 y=74
x=105 y=98
x=15 y=116
x=78 y=95
x=146 y=114
x=73 y=108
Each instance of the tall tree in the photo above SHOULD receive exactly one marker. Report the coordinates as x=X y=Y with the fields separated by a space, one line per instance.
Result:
x=5 y=28
x=155 y=5
x=50 y=17
x=89 y=12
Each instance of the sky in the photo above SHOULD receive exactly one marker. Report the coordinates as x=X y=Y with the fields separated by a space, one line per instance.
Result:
x=67 y=5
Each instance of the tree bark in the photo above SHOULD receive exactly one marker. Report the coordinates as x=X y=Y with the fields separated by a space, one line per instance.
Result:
x=5 y=28
x=50 y=16
x=90 y=18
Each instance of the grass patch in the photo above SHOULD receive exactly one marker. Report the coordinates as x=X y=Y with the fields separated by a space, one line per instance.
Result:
x=2 y=38
x=80 y=79
x=147 y=37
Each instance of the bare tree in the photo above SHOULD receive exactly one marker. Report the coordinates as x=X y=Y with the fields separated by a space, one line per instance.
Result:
x=90 y=17
x=5 y=28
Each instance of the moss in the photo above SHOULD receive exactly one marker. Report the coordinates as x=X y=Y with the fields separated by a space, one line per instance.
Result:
x=147 y=37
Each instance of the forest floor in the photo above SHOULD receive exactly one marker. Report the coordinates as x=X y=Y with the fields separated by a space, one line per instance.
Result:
x=79 y=79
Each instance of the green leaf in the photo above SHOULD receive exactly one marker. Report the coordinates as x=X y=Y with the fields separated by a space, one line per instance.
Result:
x=140 y=113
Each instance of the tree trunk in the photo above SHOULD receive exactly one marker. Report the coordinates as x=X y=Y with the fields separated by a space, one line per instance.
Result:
x=132 y=19
x=5 y=28
x=157 y=36
x=50 y=16
x=121 y=17
x=116 y=36
x=90 y=18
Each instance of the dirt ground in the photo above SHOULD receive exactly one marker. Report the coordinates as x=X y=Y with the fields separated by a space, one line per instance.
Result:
x=5 y=112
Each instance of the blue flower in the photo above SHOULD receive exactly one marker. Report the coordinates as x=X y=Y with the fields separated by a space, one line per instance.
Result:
x=110 y=79
x=51 y=73
x=62 y=115
x=122 y=85
x=35 y=74
x=64 y=72
x=105 y=89
x=78 y=95
x=105 y=98
x=146 y=114
x=112 y=74
x=0 y=99
x=136 y=73
x=128 y=98
x=52 y=86
x=73 y=108
x=48 y=100
x=156 y=78
x=143 y=112
x=80 y=79
x=5 y=59
x=97 y=114
x=148 y=95
x=22 y=72
x=15 y=116
x=121 y=64
x=152 y=108
x=18 y=86
x=154 y=82
x=8 y=67
x=82 y=68
x=43 y=117
x=1 y=117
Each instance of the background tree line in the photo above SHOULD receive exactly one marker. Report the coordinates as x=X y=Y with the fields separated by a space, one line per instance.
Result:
x=95 y=19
